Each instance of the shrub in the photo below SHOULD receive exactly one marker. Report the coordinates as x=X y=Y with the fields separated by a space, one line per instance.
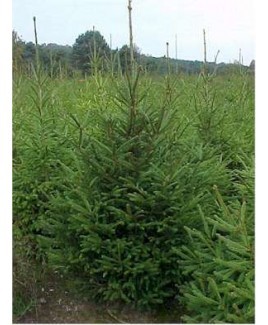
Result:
x=219 y=265
x=117 y=223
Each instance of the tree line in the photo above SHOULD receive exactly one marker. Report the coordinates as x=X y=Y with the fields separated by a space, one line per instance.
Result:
x=91 y=53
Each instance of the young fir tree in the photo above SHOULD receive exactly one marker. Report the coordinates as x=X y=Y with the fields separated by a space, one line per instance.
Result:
x=36 y=161
x=219 y=263
x=126 y=196
x=116 y=224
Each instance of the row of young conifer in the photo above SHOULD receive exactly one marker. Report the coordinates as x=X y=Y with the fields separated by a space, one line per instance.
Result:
x=141 y=189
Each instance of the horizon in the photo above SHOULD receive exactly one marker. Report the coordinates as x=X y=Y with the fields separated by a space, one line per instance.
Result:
x=229 y=25
x=147 y=55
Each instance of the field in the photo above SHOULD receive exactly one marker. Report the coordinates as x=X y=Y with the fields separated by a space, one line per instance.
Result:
x=134 y=194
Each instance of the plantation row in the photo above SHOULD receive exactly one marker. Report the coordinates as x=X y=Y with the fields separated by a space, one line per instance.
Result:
x=142 y=189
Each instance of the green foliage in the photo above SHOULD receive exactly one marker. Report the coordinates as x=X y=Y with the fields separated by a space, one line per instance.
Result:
x=123 y=204
x=109 y=171
x=55 y=59
x=89 y=51
x=124 y=58
x=35 y=160
x=17 y=52
x=21 y=305
x=117 y=224
x=219 y=263
x=24 y=276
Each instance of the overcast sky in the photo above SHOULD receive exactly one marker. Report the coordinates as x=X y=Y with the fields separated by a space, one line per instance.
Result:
x=229 y=24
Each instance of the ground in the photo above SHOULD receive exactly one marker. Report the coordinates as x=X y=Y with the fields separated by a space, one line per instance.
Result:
x=55 y=304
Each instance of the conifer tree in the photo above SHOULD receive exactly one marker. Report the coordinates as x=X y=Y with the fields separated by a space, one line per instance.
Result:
x=219 y=264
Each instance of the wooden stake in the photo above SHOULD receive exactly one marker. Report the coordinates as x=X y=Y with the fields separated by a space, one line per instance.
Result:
x=167 y=44
x=176 y=47
x=205 y=47
x=176 y=52
x=35 y=32
x=168 y=62
x=205 y=53
x=131 y=38
x=111 y=44
x=36 y=45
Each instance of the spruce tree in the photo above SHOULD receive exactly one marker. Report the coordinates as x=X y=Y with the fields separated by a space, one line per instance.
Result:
x=219 y=265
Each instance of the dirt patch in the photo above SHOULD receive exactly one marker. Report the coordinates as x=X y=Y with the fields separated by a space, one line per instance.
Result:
x=54 y=304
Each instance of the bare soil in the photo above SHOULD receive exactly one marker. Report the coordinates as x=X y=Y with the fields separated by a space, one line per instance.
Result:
x=56 y=305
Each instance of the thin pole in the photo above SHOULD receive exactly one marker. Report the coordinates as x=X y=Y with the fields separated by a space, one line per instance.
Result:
x=36 y=45
x=111 y=41
x=168 y=63
x=167 y=44
x=176 y=52
x=111 y=55
x=205 y=47
x=205 y=52
x=131 y=37
x=176 y=47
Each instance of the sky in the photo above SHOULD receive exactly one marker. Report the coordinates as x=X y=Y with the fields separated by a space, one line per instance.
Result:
x=229 y=25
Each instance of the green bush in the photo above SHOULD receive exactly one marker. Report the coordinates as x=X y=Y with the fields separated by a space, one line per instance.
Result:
x=38 y=152
x=107 y=175
x=117 y=226
x=219 y=264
